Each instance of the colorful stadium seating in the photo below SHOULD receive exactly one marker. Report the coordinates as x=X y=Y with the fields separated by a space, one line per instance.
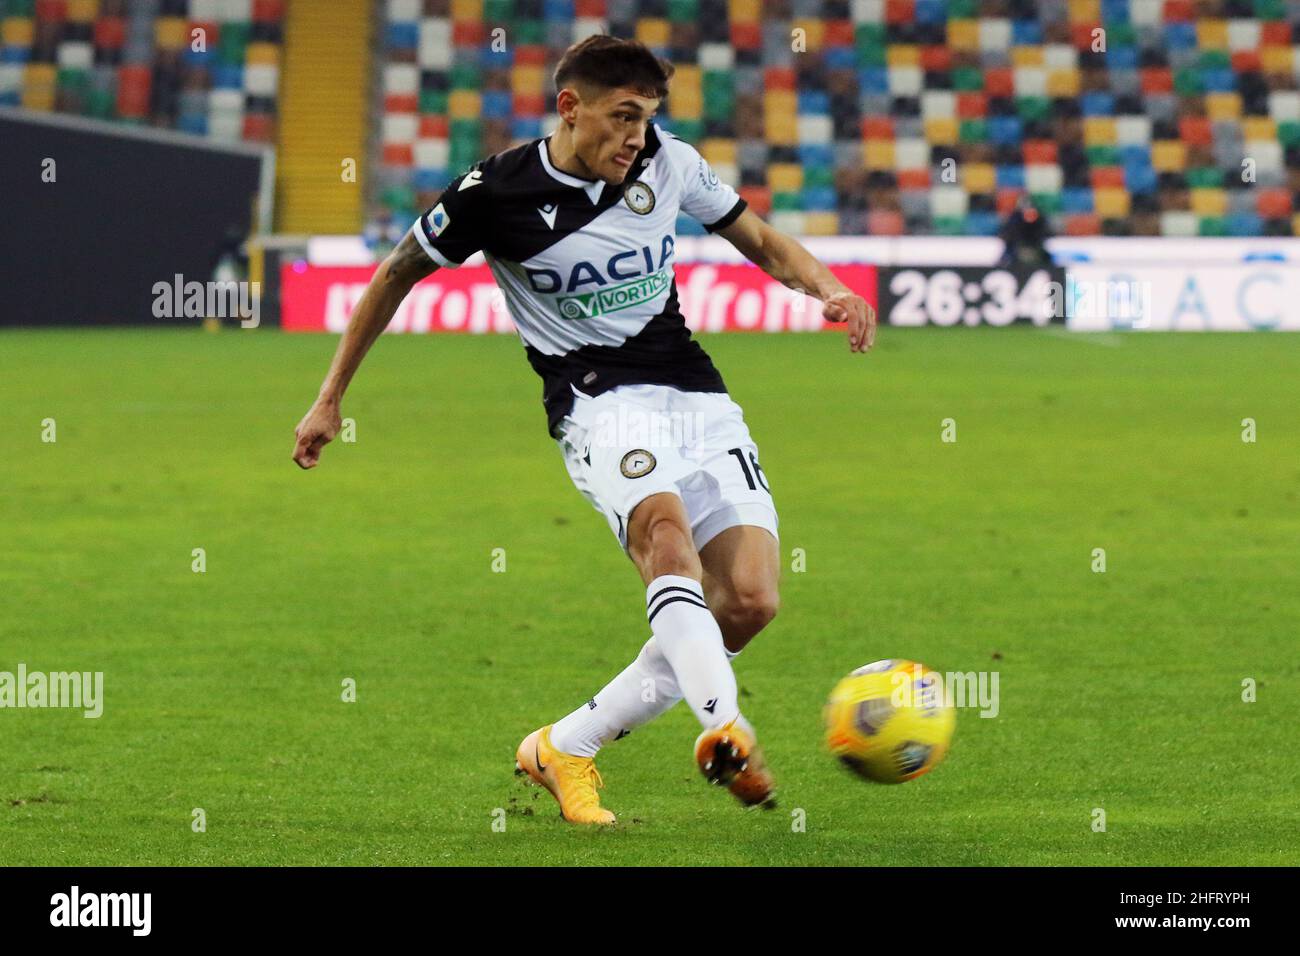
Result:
x=209 y=67
x=1149 y=134
x=1146 y=117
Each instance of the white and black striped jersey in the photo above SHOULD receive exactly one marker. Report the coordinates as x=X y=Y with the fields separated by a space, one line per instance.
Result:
x=587 y=267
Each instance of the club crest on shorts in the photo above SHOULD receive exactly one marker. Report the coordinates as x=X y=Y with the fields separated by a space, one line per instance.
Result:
x=639 y=197
x=636 y=463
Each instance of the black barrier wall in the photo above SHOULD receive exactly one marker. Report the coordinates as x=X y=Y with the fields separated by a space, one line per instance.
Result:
x=85 y=238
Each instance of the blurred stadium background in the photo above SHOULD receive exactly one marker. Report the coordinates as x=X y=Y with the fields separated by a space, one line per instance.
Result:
x=900 y=135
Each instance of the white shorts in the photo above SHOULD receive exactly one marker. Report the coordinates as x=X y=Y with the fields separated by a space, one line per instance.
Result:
x=634 y=441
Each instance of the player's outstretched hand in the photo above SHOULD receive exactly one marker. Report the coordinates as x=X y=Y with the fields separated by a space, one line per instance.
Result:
x=317 y=429
x=861 y=317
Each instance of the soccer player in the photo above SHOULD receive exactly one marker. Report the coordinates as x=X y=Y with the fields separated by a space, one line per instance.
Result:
x=578 y=230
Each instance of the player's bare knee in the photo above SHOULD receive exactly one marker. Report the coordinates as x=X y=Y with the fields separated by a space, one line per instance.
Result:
x=662 y=544
x=746 y=611
x=672 y=550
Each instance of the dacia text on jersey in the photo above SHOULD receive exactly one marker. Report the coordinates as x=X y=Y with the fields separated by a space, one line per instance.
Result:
x=645 y=285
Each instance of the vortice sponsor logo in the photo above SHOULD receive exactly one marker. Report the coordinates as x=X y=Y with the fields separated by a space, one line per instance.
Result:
x=603 y=301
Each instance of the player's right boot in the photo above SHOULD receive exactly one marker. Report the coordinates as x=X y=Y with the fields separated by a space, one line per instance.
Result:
x=729 y=756
x=571 y=780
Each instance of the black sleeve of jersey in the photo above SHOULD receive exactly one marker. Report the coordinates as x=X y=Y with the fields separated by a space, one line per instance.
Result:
x=729 y=218
x=452 y=230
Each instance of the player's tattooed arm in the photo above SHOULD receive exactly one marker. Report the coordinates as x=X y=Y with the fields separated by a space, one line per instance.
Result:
x=788 y=262
x=404 y=267
x=408 y=263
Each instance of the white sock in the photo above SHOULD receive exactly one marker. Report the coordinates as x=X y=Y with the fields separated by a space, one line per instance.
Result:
x=645 y=689
x=690 y=639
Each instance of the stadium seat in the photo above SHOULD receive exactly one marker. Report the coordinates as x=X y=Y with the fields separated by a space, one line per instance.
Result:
x=1161 y=128
x=147 y=61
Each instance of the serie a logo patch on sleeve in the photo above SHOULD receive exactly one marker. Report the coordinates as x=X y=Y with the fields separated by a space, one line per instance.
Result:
x=438 y=220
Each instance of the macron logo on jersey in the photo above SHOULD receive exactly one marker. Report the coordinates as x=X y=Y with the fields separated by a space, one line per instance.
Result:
x=472 y=178
x=548 y=214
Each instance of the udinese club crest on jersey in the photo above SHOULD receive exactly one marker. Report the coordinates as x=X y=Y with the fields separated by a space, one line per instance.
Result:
x=639 y=197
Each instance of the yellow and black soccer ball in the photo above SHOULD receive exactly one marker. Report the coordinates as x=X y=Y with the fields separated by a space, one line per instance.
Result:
x=890 y=721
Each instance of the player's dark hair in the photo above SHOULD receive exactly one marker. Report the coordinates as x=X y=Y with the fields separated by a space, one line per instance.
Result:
x=609 y=62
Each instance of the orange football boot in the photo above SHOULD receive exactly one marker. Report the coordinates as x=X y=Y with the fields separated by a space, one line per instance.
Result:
x=572 y=780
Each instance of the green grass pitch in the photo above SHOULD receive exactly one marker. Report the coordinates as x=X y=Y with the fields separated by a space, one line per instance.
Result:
x=1119 y=690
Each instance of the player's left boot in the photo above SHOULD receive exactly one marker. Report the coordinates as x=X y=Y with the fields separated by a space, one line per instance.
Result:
x=729 y=756
x=571 y=780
